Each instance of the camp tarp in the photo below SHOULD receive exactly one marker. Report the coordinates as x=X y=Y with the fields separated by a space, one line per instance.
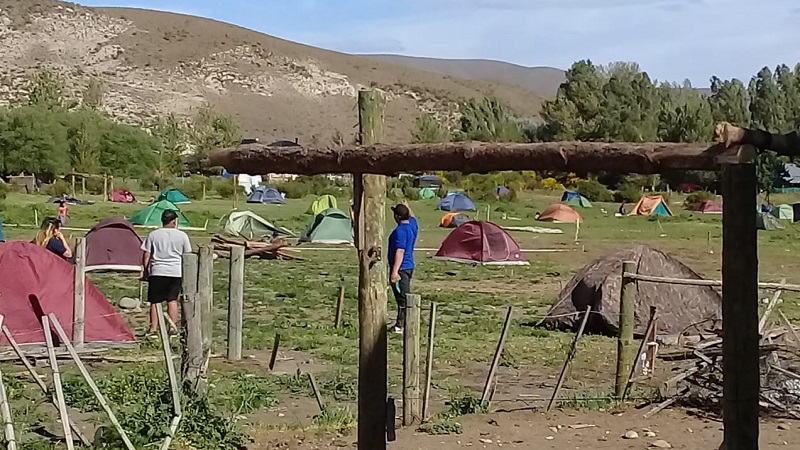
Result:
x=456 y=201
x=453 y=220
x=122 y=196
x=429 y=181
x=266 y=195
x=767 y=222
x=250 y=225
x=332 y=226
x=36 y=282
x=573 y=198
x=598 y=285
x=651 y=205
x=559 y=213
x=785 y=212
x=151 y=215
x=114 y=244
x=427 y=193
x=481 y=243
x=70 y=201
x=173 y=196
x=322 y=203
x=708 y=207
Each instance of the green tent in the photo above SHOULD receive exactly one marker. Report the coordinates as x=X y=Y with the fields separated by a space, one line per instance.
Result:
x=427 y=193
x=250 y=225
x=768 y=222
x=579 y=200
x=151 y=216
x=322 y=203
x=784 y=212
x=174 y=196
x=332 y=226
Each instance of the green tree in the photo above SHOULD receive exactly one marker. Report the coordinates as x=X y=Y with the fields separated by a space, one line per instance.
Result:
x=684 y=116
x=487 y=120
x=729 y=102
x=33 y=140
x=210 y=130
x=788 y=82
x=428 y=129
x=84 y=147
x=575 y=112
x=127 y=151
x=94 y=94
x=46 y=90
x=766 y=102
x=630 y=107
x=172 y=135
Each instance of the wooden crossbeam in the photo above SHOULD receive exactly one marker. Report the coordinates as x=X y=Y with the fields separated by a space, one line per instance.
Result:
x=480 y=157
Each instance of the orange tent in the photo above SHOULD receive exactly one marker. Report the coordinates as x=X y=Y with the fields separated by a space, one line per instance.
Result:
x=561 y=213
x=651 y=205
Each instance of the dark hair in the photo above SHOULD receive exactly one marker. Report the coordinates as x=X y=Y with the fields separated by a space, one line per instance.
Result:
x=62 y=203
x=50 y=221
x=168 y=216
x=401 y=212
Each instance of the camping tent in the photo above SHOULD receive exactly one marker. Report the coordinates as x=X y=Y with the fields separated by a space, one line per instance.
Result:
x=174 y=196
x=427 y=193
x=768 y=222
x=430 y=181
x=453 y=220
x=598 y=285
x=267 y=195
x=651 y=205
x=249 y=225
x=787 y=212
x=122 y=196
x=456 y=201
x=559 y=213
x=708 y=207
x=151 y=215
x=114 y=245
x=332 y=226
x=480 y=242
x=575 y=199
x=501 y=191
x=322 y=203
x=36 y=282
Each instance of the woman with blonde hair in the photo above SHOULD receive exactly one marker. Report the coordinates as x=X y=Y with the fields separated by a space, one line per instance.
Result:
x=50 y=237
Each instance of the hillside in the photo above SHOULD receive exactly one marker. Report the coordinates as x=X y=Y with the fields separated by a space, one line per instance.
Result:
x=153 y=63
x=543 y=80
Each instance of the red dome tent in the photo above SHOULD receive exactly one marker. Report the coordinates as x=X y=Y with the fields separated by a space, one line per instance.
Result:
x=708 y=207
x=36 y=282
x=122 y=196
x=113 y=244
x=479 y=242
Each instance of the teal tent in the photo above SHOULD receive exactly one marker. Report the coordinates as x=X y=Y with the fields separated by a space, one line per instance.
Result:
x=174 y=196
x=427 y=193
x=332 y=226
x=783 y=212
x=579 y=200
x=151 y=216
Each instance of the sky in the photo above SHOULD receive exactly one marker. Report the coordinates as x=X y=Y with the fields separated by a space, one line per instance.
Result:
x=672 y=40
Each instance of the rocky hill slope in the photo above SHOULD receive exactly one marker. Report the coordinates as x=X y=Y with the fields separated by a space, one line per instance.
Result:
x=153 y=63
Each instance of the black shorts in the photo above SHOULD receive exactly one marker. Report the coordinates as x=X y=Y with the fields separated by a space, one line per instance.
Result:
x=163 y=289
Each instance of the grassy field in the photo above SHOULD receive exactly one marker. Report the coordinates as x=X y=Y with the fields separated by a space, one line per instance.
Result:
x=297 y=300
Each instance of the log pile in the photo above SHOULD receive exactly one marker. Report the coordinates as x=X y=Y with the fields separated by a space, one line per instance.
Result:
x=254 y=249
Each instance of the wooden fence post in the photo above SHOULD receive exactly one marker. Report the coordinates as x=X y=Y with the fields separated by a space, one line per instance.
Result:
x=372 y=282
x=740 y=354
x=429 y=362
x=205 y=289
x=411 y=398
x=625 y=342
x=79 y=294
x=192 y=360
x=496 y=359
x=235 y=303
x=337 y=321
x=189 y=331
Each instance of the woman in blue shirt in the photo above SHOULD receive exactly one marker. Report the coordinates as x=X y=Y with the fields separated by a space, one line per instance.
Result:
x=50 y=237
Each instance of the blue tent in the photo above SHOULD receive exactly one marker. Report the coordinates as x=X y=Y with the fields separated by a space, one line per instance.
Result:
x=569 y=195
x=501 y=191
x=456 y=201
x=267 y=195
x=2 y=235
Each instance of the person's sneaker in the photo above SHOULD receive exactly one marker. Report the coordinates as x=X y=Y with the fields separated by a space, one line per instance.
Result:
x=396 y=329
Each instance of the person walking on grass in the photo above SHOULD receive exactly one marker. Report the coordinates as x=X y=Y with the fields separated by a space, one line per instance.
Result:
x=162 y=267
x=63 y=212
x=401 y=259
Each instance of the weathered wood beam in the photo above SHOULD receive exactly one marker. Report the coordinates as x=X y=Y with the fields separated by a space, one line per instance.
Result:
x=784 y=144
x=477 y=157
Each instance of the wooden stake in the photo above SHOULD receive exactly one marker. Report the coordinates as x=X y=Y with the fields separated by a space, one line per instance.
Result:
x=274 y=354
x=99 y=395
x=105 y=187
x=411 y=404
x=83 y=185
x=5 y=410
x=372 y=282
x=62 y=405
x=740 y=308
x=337 y=322
x=496 y=359
x=79 y=294
x=429 y=362
x=570 y=356
x=315 y=389
x=235 y=303
x=205 y=288
x=173 y=378
x=625 y=342
x=790 y=327
x=650 y=328
x=73 y=186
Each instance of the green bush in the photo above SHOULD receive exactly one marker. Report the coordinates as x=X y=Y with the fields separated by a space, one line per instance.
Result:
x=58 y=188
x=224 y=188
x=294 y=189
x=595 y=191
x=411 y=193
x=4 y=190
x=152 y=182
x=627 y=193
x=195 y=186
x=698 y=197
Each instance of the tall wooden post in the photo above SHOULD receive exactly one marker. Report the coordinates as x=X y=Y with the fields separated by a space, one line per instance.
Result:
x=73 y=186
x=205 y=288
x=105 y=187
x=411 y=398
x=370 y=205
x=235 y=303
x=740 y=354
x=192 y=350
x=625 y=343
x=79 y=295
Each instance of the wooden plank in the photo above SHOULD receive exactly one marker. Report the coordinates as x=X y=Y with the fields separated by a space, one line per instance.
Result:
x=236 y=303
x=205 y=288
x=411 y=397
x=573 y=348
x=712 y=283
x=372 y=282
x=193 y=374
x=59 y=389
x=166 y=348
x=497 y=353
x=315 y=390
x=5 y=411
x=79 y=294
x=740 y=308
x=625 y=342
x=773 y=302
x=337 y=321
x=429 y=362
x=650 y=330
x=790 y=326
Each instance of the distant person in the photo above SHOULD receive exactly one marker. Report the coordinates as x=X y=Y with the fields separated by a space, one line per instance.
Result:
x=401 y=258
x=50 y=237
x=162 y=267
x=63 y=211
x=622 y=211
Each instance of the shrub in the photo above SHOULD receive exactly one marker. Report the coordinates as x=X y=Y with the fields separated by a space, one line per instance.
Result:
x=4 y=190
x=294 y=189
x=595 y=191
x=411 y=193
x=627 y=193
x=697 y=197
x=152 y=182
x=58 y=188
x=224 y=188
x=195 y=186
x=552 y=184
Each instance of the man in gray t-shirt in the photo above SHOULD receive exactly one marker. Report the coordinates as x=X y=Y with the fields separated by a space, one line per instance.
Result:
x=162 y=268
